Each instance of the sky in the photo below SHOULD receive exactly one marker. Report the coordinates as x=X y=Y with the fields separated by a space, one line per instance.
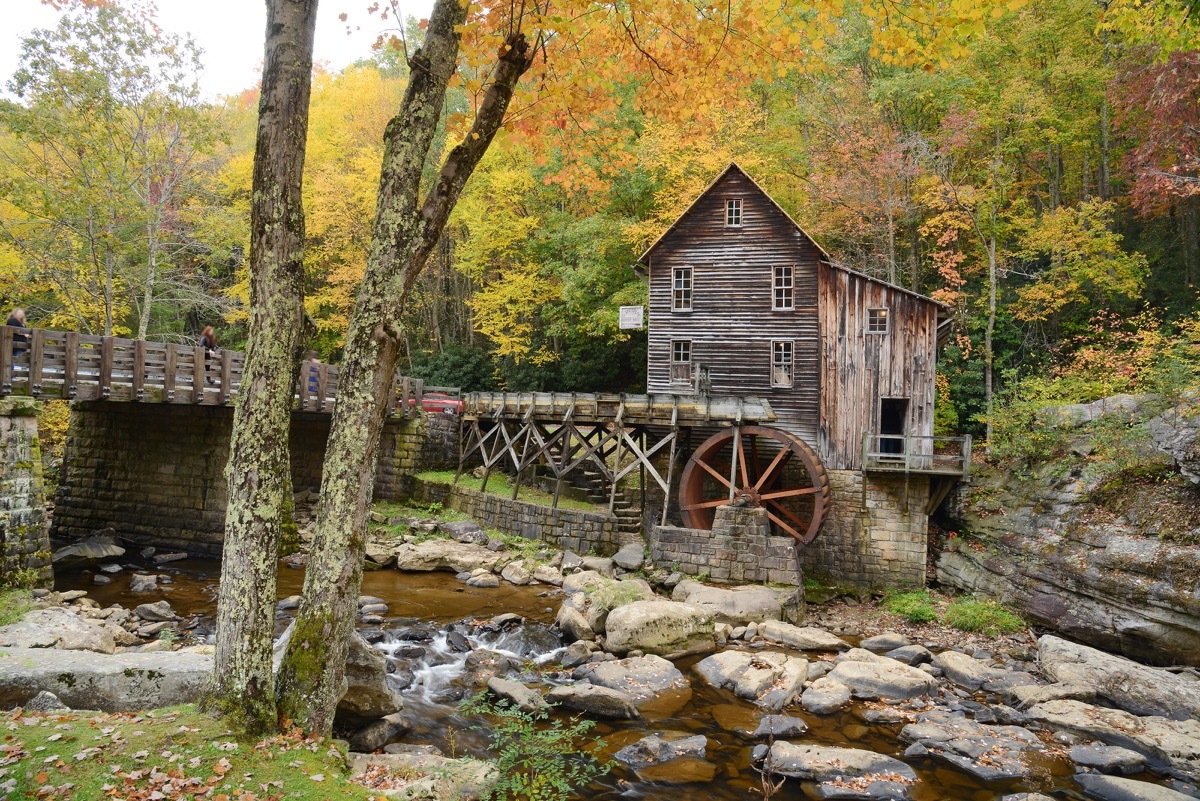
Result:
x=230 y=32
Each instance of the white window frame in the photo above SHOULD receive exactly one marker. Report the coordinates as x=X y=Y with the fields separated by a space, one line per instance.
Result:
x=734 y=209
x=871 y=327
x=678 y=293
x=676 y=346
x=777 y=364
x=789 y=286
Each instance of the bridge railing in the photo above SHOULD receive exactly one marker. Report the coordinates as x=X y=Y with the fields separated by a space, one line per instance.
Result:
x=43 y=363
x=914 y=453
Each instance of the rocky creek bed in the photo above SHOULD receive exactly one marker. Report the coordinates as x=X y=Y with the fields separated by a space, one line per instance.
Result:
x=693 y=687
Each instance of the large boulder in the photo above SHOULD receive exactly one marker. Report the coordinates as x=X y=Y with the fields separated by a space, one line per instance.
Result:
x=667 y=628
x=595 y=700
x=606 y=595
x=801 y=638
x=654 y=750
x=573 y=624
x=736 y=606
x=825 y=696
x=55 y=627
x=432 y=777
x=644 y=678
x=447 y=554
x=112 y=683
x=769 y=679
x=1171 y=746
x=87 y=552
x=516 y=693
x=967 y=671
x=885 y=679
x=1122 y=682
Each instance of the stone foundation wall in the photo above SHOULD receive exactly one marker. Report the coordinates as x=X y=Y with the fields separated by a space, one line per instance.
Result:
x=155 y=473
x=739 y=549
x=568 y=529
x=439 y=449
x=24 y=536
x=876 y=535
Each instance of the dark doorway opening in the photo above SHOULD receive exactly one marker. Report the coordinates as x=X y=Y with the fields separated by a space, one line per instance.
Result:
x=893 y=419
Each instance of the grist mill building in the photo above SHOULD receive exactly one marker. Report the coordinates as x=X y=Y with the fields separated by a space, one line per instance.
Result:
x=743 y=302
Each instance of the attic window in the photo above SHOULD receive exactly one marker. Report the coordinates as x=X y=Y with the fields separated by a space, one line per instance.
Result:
x=733 y=212
x=877 y=321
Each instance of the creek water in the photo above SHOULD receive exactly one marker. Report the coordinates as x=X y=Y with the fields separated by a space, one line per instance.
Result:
x=434 y=674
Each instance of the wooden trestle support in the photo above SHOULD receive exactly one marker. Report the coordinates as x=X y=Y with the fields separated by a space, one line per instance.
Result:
x=612 y=435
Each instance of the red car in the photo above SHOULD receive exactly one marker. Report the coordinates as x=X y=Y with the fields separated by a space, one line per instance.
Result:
x=435 y=402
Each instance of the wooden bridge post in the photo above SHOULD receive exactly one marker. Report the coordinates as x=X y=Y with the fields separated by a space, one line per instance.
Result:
x=71 y=366
x=674 y=456
x=6 y=359
x=169 y=373
x=199 y=374
x=37 y=349
x=139 y=369
x=322 y=385
x=106 y=366
x=226 y=376
x=619 y=428
x=302 y=390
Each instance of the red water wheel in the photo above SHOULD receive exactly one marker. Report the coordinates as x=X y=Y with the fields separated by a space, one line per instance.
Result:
x=759 y=467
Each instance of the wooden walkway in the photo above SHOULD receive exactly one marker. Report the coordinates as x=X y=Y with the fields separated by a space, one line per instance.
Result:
x=42 y=363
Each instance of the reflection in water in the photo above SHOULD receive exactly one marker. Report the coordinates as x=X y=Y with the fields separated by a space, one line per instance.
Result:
x=427 y=610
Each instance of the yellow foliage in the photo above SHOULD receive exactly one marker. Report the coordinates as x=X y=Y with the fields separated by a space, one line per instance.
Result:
x=506 y=311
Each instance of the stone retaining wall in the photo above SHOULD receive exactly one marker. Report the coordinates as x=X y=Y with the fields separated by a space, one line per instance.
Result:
x=568 y=529
x=155 y=473
x=24 y=537
x=739 y=549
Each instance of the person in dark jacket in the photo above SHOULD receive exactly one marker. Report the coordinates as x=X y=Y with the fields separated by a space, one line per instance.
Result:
x=16 y=319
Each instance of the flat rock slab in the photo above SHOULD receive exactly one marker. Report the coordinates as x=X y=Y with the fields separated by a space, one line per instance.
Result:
x=1169 y=745
x=1112 y=788
x=668 y=628
x=1108 y=759
x=973 y=674
x=736 y=606
x=769 y=679
x=890 y=682
x=825 y=696
x=447 y=554
x=593 y=700
x=1126 y=684
x=843 y=773
x=110 y=683
x=801 y=638
x=653 y=750
x=989 y=753
x=57 y=628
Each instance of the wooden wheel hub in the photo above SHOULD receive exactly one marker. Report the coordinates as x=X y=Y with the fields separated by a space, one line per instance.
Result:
x=760 y=467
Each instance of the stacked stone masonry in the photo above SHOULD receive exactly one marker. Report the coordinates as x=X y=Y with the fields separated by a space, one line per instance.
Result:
x=739 y=549
x=568 y=529
x=876 y=535
x=156 y=473
x=24 y=537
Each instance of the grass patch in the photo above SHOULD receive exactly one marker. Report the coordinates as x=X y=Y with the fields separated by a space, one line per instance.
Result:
x=434 y=511
x=13 y=606
x=501 y=484
x=177 y=752
x=988 y=617
x=915 y=607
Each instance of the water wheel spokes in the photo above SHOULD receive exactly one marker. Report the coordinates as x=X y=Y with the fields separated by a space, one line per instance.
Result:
x=756 y=466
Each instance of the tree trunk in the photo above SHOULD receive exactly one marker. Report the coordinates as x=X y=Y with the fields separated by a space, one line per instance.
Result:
x=404 y=235
x=259 y=468
x=989 y=358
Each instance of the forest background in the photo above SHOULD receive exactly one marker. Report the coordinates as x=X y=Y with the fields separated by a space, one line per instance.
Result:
x=1043 y=182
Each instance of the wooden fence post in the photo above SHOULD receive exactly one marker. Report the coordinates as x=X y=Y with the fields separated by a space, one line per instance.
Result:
x=139 y=369
x=226 y=376
x=36 y=350
x=169 y=373
x=71 y=365
x=6 y=359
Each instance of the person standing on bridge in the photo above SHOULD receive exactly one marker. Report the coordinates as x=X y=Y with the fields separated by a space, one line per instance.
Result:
x=208 y=341
x=16 y=319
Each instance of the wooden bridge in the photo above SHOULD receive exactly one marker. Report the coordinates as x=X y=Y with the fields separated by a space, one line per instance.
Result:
x=43 y=363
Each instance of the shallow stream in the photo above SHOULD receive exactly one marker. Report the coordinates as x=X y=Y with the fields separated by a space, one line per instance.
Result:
x=431 y=669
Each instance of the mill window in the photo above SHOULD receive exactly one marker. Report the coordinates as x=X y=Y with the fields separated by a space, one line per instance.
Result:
x=733 y=212
x=877 y=321
x=681 y=361
x=781 y=363
x=784 y=288
x=681 y=297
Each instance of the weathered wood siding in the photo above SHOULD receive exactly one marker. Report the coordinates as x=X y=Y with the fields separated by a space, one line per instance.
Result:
x=858 y=369
x=732 y=324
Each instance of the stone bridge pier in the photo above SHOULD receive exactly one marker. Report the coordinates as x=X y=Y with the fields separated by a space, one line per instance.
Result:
x=155 y=473
x=24 y=540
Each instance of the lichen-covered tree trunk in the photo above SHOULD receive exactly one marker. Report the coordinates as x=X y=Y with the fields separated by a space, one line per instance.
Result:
x=405 y=232
x=259 y=468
